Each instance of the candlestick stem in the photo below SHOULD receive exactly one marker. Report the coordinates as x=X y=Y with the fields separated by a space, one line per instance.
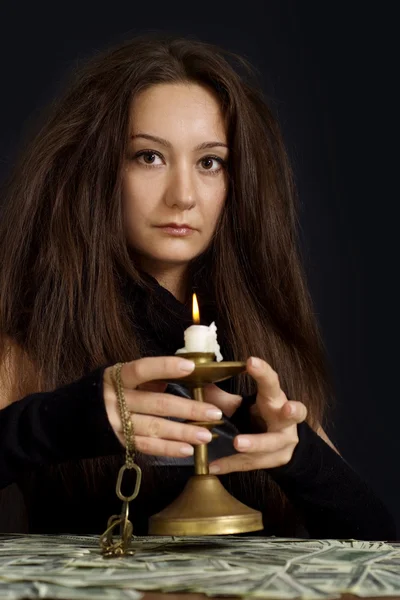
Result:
x=198 y=394
x=201 y=459
x=200 y=451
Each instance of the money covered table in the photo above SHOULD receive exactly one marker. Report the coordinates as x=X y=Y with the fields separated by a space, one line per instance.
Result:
x=72 y=567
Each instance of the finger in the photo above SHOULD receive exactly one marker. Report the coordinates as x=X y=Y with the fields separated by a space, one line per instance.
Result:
x=159 y=447
x=168 y=405
x=263 y=442
x=293 y=413
x=249 y=462
x=227 y=402
x=153 y=386
x=268 y=385
x=270 y=397
x=152 y=368
x=156 y=427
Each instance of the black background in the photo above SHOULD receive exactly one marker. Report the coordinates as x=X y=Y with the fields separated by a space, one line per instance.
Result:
x=331 y=70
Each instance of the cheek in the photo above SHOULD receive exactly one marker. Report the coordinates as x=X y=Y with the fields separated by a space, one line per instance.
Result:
x=138 y=196
x=214 y=201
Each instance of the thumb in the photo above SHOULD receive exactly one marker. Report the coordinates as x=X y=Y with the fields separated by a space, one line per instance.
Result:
x=225 y=401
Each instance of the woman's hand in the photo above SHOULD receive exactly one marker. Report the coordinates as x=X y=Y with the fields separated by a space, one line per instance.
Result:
x=154 y=434
x=274 y=447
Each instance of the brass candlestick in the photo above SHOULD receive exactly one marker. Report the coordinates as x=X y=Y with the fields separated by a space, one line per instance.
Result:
x=205 y=507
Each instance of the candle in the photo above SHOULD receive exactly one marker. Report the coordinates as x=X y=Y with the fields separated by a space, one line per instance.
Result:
x=200 y=338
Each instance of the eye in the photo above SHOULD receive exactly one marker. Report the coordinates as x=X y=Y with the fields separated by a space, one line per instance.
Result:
x=213 y=164
x=148 y=158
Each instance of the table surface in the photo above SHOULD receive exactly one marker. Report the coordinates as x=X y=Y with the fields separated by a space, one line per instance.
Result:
x=163 y=596
x=154 y=595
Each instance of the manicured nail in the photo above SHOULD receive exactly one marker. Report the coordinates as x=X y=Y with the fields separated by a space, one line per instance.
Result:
x=187 y=450
x=255 y=362
x=214 y=413
x=243 y=442
x=214 y=469
x=186 y=365
x=204 y=436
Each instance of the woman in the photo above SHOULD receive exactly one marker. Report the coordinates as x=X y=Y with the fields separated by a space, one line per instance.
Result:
x=161 y=171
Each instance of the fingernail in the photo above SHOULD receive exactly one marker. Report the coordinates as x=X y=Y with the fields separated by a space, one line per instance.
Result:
x=187 y=450
x=214 y=413
x=243 y=442
x=204 y=436
x=255 y=362
x=186 y=365
x=214 y=469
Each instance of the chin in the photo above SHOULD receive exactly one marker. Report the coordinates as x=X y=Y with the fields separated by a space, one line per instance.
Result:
x=179 y=250
x=172 y=257
x=172 y=252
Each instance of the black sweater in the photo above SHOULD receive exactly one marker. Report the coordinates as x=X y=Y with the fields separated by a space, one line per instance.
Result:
x=46 y=437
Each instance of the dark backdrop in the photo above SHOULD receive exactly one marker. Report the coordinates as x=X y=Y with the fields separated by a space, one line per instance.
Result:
x=330 y=69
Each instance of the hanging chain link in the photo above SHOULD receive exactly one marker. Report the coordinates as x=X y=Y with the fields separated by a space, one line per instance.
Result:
x=120 y=547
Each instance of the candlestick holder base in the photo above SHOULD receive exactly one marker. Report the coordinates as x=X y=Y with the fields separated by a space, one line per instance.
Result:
x=205 y=507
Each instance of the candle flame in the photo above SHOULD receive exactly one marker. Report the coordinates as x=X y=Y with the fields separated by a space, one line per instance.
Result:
x=195 y=310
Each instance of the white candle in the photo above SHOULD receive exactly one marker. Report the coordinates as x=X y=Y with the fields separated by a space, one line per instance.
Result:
x=200 y=338
x=197 y=338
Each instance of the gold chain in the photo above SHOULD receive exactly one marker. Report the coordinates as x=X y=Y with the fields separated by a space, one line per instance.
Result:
x=127 y=425
x=111 y=549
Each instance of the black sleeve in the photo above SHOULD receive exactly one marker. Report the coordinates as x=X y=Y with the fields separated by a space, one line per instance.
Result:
x=330 y=497
x=333 y=499
x=51 y=427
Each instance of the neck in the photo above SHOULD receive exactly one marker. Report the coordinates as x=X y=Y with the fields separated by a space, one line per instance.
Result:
x=174 y=278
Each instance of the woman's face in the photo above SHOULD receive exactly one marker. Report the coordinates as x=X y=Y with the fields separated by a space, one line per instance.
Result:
x=174 y=177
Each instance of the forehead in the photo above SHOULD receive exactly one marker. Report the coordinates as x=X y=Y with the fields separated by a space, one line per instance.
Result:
x=176 y=109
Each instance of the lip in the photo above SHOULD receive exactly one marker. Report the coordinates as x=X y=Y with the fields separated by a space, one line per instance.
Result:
x=175 y=226
x=177 y=230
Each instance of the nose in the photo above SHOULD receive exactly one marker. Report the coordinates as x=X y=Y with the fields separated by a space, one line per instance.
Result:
x=180 y=192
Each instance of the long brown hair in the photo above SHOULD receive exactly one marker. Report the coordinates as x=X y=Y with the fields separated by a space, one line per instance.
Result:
x=62 y=242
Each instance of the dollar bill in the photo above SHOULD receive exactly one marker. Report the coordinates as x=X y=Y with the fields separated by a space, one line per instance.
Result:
x=72 y=567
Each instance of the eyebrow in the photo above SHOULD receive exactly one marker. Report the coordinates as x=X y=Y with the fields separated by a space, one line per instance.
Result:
x=167 y=144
